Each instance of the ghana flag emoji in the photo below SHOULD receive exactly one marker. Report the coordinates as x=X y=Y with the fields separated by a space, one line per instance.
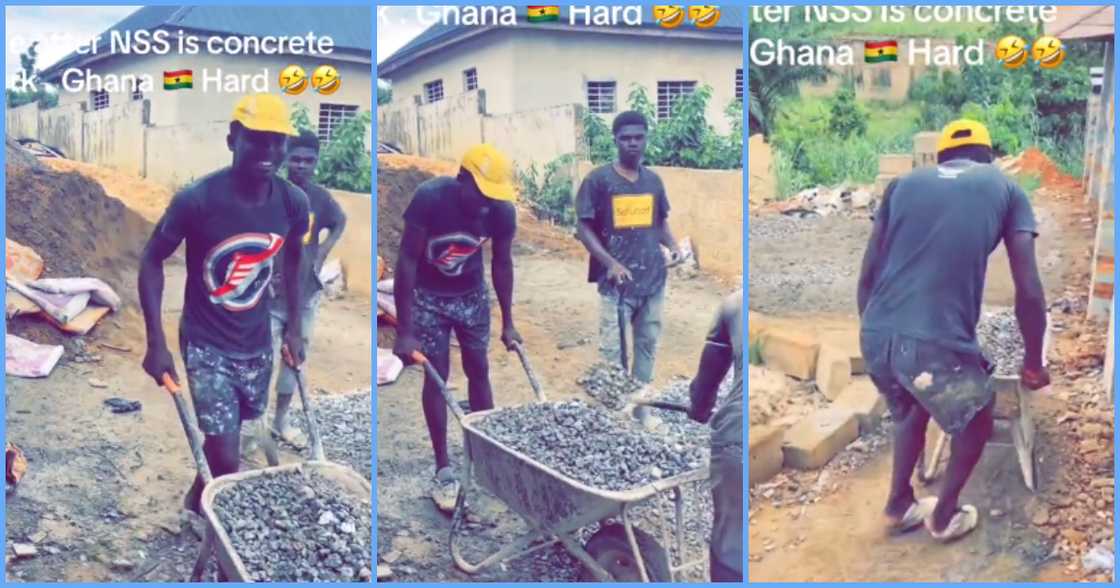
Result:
x=544 y=13
x=180 y=78
x=880 y=51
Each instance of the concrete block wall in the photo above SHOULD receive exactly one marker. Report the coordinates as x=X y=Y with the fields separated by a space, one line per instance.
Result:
x=1099 y=163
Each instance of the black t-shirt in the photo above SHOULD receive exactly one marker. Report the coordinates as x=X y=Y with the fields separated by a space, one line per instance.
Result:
x=232 y=252
x=452 y=262
x=325 y=213
x=627 y=217
x=942 y=223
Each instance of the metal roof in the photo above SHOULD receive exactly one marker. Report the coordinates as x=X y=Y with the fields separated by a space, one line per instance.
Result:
x=730 y=26
x=351 y=27
x=1083 y=22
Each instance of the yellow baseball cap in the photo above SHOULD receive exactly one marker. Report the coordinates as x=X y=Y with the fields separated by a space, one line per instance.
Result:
x=264 y=112
x=492 y=171
x=963 y=132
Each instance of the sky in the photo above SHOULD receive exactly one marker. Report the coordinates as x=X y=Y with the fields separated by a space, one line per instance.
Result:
x=397 y=25
x=59 y=30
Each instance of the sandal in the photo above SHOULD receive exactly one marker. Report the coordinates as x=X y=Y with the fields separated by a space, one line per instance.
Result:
x=919 y=511
x=963 y=522
x=293 y=436
x=445 y=489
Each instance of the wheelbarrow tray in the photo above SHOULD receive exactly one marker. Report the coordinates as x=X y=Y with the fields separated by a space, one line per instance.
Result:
x=544 y=496
x=349 y=481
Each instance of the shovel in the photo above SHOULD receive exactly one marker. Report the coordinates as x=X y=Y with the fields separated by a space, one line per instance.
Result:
x=532 y=375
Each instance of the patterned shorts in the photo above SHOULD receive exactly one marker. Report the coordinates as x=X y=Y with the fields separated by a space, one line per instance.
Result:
x=435 y=316
x=951 y=386
x=226 y=390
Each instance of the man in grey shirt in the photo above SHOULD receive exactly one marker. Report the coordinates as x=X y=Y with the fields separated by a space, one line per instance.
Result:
x=920 y=292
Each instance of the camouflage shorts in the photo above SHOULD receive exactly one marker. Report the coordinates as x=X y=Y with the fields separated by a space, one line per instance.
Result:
x=951 y=386
x=226 y=390
x=435 y=316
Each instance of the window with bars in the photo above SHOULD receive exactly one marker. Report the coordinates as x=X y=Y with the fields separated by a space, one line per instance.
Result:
x=600 y=97
x=98 y=99
x=667 y=95
x=331 y=116
x=881 y=79
x=433 y=91
x=137 y=93
x=470 y=79
x=739 y=84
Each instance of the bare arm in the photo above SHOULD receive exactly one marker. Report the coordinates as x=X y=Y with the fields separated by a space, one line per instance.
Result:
x=332 y=239
x=1030 y=298
x=404 y=280
x=586 y=235
x=501 y=272
x=157 y=360
x=715 y=360
x=871 y=257
x=666 y=236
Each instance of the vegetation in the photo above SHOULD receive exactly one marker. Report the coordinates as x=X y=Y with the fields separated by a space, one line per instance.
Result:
x=384 y=94
x=549 y=193
x=344 y=162
x=41 y=94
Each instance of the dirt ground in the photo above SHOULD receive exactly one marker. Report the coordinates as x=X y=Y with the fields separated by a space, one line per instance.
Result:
x=819 y=527
x=101 y=496
x=555 y=310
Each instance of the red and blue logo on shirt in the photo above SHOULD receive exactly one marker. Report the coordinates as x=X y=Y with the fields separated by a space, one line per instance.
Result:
x=237 y=270
x=449 y=253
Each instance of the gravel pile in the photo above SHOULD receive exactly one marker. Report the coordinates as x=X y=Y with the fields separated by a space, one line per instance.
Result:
x=589 y=444
x=609 y=384
x=1000 y=339
x=344 y=422
x=297 y=526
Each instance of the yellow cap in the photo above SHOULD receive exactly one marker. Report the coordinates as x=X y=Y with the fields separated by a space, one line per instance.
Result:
x=492 y=171
x=264 y=112
x=963 y=132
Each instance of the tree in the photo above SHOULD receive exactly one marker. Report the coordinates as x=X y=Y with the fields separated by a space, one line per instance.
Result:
x=769 y=85
x=384 y=94
x=35 y=90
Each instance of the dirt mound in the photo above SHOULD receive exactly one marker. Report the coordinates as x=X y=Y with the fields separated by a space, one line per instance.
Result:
x=395 y=186
x=1034 y=162
x=146 y=197
x=70 y=221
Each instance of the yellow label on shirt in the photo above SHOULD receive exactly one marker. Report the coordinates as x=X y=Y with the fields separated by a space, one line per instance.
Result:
x=633 y=211
x=310 y=228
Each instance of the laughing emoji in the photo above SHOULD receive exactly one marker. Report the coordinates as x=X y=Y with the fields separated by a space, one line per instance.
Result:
x=1048 y=52
x=669 y=17
x=1011 y=51
x=704 y=17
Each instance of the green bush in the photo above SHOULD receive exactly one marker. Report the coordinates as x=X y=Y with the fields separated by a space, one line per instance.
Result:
x=846 y=117
x=344 y=162
x=549 y=193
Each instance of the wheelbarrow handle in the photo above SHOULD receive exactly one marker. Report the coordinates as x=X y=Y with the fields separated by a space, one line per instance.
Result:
x=317 y=453
x=419 y=358
x=529 y=372
x=194 y=437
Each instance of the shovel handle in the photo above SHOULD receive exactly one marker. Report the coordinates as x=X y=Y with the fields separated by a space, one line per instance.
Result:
x=663 y=405
x=419 y=358
x=194 y=437
x=529 y=372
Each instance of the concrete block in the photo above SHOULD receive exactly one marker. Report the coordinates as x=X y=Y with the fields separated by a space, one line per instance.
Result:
x=765 y=452
x=881 y=182
x=859 y=366
x=834 y=371
x=896 y=164
x=815 y=440
x=925 y=148
x=863 y=399
x=794 y=354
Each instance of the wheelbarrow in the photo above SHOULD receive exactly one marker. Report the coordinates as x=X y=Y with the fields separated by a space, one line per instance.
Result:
x=1014 y=426
x=216 y=541
x=556 y=507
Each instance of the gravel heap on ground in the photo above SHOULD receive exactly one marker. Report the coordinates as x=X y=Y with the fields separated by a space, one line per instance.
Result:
x=297 y=526
x=609 y=384
x=589 y=444
x=1000 y=339
x=344 y=424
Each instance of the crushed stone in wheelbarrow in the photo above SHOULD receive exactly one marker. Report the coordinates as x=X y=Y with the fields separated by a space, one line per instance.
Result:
x=1001 y=341
x=297 y=526
x=608 y=383
x=590 y=444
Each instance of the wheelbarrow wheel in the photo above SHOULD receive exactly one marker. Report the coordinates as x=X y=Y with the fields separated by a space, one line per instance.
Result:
x=610 y=548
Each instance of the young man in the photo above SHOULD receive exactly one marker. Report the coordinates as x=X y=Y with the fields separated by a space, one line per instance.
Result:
x=920 y=294
x=723 y=349
x=439 y=286
x=236 y=222
x=623 y=221
x=325 y=215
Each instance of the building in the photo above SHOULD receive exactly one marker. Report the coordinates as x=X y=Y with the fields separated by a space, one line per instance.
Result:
x=350 y=29
x=887 y=81
x=542 y=65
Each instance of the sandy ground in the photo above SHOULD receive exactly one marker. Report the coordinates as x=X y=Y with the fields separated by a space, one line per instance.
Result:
x=809 y=527
x=555 y=311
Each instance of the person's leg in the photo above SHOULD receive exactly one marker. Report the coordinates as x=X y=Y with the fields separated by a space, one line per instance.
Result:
x=472 y=330
x=646 y=321
x=433 y=330
x=223 y=455
x=212 y=382
x=610 y=346
x=965 y=450
x=726 y=551
x=909 y=443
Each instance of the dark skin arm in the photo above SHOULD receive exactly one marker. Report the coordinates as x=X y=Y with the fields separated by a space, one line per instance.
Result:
x=293 y=340
x=157 y=359
x=1030 y=306
x=616 y=272
x=501 y=272
x=404 y=282
x=715 y=360
x=871 y=259
x=332 y=240
x=668 y=240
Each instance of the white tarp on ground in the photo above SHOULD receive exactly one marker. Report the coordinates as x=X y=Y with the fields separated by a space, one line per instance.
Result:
x=29 y=360
x=389 y=366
